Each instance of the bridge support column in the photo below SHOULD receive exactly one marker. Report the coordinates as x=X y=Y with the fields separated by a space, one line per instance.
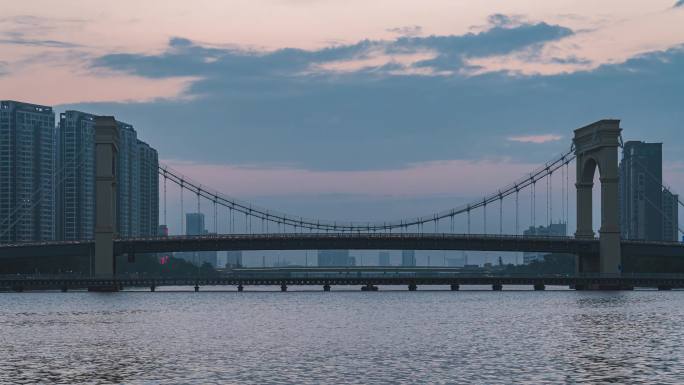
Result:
x=196 y=288
x=283 y=287
x=326 y=287
x=106 y=150
x=64 y=289
x=497 y=287
x=596 y=146
x=455 y=287
x=369 y=287
x=664 y=288
x=153 y=288
x=240 y=288
x=539 y=287
x=412 y=287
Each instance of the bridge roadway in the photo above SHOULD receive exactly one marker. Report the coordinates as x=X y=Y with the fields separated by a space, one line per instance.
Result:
x=352 y=241
x=366 y=277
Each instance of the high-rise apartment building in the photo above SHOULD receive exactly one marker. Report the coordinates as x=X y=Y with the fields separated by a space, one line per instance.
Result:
x=148 y=202
x=670 y=216
x=27 y=207
x=136 y=176
x=640 y=191
x=75 y=192
x=128 y=170
x=646 y=210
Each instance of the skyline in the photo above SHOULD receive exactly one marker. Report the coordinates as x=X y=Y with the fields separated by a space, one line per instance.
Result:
x=340 y=112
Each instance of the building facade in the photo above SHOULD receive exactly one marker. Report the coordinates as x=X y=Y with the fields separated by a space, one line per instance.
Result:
x=27 y=158
x=670 y=216
x=75 y=192
x=136 y=176
x=647 y=210
x=148 y=185
x=640 y=191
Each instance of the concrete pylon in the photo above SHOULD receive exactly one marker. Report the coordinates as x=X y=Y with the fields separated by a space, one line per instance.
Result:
x=106 y=152
x=596 y=146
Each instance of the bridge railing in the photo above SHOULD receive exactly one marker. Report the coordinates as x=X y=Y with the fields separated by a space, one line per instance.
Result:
x=349 y=235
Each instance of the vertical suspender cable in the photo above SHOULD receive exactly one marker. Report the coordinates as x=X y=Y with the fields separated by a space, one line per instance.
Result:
x=182 y=213
x=165 y=222
x=500 y=215
x=516 y=210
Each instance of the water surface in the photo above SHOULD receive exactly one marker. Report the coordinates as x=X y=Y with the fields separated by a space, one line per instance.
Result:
x=312 y=337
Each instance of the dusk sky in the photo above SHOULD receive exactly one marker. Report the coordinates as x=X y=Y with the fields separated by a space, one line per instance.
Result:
x=391 y=107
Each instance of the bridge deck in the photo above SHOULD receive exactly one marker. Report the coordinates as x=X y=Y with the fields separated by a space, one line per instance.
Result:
x=354 y=241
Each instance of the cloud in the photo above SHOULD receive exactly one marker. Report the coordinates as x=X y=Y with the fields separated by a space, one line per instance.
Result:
x=678 y=4
x=18 y=40
x=186 y=58
x=26 y=30
x=545 y=138
x=270 y=107
x=410 y=30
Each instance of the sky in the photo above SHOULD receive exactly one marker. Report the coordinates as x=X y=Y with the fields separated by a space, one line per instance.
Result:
x=356 y=109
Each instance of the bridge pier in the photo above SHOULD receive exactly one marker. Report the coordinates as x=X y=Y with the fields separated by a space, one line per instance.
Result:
x=369 y=287
x=596 y=147
x=664 y=288
x=240 y=288
x=326 y=287
x=64 y=289
x=539 y=287
x=196 y=288
x=497 y=287
x=153 y=288
x=283 y=287
x=106 y=150
x=455 y=287
x=412 y=287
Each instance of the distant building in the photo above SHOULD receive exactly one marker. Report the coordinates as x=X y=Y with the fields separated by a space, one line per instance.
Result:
x=194 y=224
x=335 y=258
x=234 y=258
x=553 y=230
x=383 y=258
x=27 y=152
x=670 y=216
x=456 y=262
x=162 y=231
x=408 y=257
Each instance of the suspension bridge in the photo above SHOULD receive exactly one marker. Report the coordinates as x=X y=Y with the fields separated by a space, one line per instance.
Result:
x=594 y=146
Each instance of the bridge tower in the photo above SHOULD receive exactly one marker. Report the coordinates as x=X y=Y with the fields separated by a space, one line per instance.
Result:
x=596 y=146
x=106 y=152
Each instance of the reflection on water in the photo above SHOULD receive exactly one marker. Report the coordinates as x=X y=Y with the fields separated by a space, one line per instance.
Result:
x=345 y=337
